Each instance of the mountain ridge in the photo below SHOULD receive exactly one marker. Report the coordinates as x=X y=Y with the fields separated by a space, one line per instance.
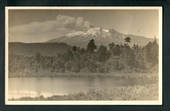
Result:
x=101 y=36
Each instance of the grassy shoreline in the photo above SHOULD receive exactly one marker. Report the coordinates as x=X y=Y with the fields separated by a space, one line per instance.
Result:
x=81 y=74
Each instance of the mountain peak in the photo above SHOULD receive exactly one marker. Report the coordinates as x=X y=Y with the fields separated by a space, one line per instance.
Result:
x=93 y=31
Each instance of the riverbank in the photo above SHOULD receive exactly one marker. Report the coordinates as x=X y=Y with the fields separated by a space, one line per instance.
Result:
x=80 y=74
x=134 y=78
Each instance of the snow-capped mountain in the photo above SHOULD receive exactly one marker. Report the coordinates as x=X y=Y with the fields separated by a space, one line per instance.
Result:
x=97 y=31
x=101 y=36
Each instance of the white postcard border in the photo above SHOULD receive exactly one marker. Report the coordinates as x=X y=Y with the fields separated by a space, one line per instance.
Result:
x=156 y=102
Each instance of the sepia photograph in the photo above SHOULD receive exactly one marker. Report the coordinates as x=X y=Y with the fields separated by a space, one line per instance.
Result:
x=83 y=55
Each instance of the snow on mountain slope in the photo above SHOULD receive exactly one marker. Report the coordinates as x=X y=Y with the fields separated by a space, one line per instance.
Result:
x=101 y=36
x=97 y=31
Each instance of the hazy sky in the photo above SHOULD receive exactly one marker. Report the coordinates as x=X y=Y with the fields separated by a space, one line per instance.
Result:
x=42 y=25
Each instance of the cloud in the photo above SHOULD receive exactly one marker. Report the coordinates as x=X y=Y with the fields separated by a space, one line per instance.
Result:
x=46 y=30
x=72 y=22
x=36 y=32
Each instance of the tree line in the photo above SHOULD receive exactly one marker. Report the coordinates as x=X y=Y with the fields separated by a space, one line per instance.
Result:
x=93 y=58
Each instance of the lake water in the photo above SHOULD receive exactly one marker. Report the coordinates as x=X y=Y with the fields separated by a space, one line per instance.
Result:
x=46 y=86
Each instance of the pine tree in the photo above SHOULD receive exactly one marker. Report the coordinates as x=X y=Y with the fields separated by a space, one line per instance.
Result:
x=91 y=46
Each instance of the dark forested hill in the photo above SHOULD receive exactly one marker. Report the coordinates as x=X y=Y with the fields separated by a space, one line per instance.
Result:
x=30 y=49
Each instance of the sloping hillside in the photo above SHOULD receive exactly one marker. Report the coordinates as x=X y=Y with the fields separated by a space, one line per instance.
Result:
x=101 y=37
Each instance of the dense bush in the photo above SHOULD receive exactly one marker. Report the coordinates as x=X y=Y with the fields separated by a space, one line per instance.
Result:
x=102 y=59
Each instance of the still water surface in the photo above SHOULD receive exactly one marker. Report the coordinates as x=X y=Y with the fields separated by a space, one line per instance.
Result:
x=46 y=86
